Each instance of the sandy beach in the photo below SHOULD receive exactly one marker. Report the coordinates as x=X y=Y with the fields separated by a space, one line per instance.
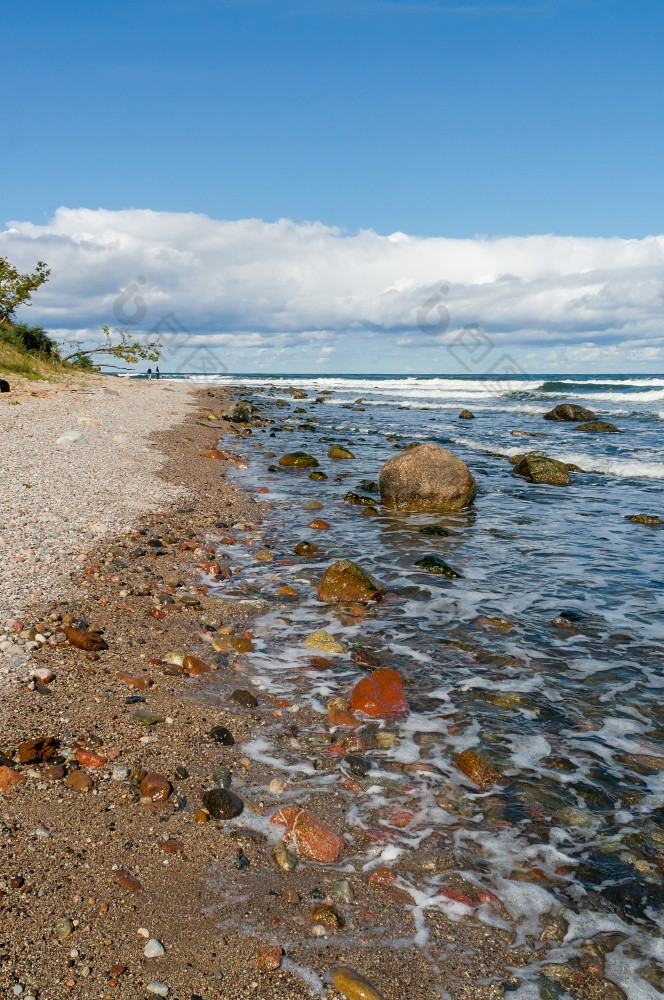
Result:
x=145 y=850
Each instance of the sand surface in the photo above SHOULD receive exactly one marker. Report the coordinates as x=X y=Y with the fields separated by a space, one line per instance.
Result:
x=75 y=463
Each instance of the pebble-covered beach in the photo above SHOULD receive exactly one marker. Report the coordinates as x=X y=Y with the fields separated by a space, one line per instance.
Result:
x=228 y=768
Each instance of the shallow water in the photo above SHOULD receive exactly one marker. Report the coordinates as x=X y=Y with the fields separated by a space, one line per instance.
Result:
x=545 y=654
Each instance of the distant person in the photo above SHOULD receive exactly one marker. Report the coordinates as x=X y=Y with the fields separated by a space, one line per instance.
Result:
x=157 y=373
x=149 y=373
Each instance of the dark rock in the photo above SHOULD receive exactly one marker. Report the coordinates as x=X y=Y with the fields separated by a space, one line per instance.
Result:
x=222 y=735
x=540 y=469
x=4 y=385
x=434 y=529
x=221 y=803
x=357 y=764
x=644 y=519
x=466 y=415
x=598 y=427
x=370 y=485
x=432 y=564
x=569 y=411
x=245 y=698
x=358 y=499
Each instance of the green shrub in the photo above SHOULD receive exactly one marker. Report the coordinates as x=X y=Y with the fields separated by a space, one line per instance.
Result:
x=30 y=340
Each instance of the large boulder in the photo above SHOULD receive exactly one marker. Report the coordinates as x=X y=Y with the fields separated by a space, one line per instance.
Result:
x=4 y=385
x=540 y=469
x=569 y=411
x=240 y=412
x=428 y=478
x=598 y=427
x=346 y=581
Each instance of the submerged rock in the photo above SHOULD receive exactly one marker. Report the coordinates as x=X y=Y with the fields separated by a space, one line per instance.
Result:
x=644 y=519
x=322 y=640
x=433 y=564
x=358 y=499
x=346 y=581
x=540 y=469
x=598 y=427
x=569 y=411
x=427 y=477
x=380 y=695
x=477 y=769
x=312 y=839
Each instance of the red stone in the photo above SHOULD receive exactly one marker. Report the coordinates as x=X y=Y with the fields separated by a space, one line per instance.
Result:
x=338 y=717
x=269 y=959
x=89 y=758
x=133 y=681
x=477 y=769
x=127 y=881
x=194 y=666
x=380 y=695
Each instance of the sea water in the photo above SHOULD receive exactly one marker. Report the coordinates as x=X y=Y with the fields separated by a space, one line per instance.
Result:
x=545 y=654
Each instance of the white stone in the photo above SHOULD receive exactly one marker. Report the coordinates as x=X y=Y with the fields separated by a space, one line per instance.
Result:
x=154 y=949
x=159 y=989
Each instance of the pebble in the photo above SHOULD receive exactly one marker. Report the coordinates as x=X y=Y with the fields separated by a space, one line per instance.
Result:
x=222 y=803
x=63 y=928
x=120 y=773
x=343 y=891
x=154 y=949
x=353 y=985
x=159 y=989
x=222 y=735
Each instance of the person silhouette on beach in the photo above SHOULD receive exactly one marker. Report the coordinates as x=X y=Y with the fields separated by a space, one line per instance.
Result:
x=157 y=373
x=149 y=373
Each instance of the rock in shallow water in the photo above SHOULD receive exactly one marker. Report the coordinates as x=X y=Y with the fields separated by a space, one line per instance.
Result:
x=346 y=581
x=477 y=769
x=570 y=412
x=598 y=427
x=380 y=695
x=540 y=469
x=432 y=564
x=426 y=478
x=298 y=460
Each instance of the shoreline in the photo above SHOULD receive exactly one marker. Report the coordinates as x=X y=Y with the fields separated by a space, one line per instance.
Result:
x=115 y=860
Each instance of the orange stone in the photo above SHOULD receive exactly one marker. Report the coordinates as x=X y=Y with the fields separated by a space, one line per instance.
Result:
x=269 y=959
x=286 y=591
x=314 y=840
x=79 y=780
x=155 y=786
x=401 y=816
x=338 y=717
x=318 y=524
x=89 y=758
x=194 y=666
x=477 y=769
x=141 y=682
x=8 y=779
x=380 y=695
x=285 y=816
x=382 y=876
x=214 y=454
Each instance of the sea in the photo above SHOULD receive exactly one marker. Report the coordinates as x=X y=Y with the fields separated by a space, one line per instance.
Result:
x=544 y=653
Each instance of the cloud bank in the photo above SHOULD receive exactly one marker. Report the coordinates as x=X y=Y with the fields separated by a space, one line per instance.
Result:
x=253 y=286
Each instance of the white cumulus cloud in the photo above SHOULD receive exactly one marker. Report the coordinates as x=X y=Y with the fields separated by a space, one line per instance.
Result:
x=250 y=284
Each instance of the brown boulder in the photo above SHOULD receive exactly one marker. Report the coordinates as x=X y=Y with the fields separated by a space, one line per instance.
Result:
x=33 y=751
x=426 y=478
x=346 y=581
x=92 y=642
x=569 y=411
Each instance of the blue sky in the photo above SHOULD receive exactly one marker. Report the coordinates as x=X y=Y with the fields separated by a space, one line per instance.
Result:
x=435 y=118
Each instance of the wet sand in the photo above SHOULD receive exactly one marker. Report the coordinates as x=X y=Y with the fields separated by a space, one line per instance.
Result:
x=115 y=863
